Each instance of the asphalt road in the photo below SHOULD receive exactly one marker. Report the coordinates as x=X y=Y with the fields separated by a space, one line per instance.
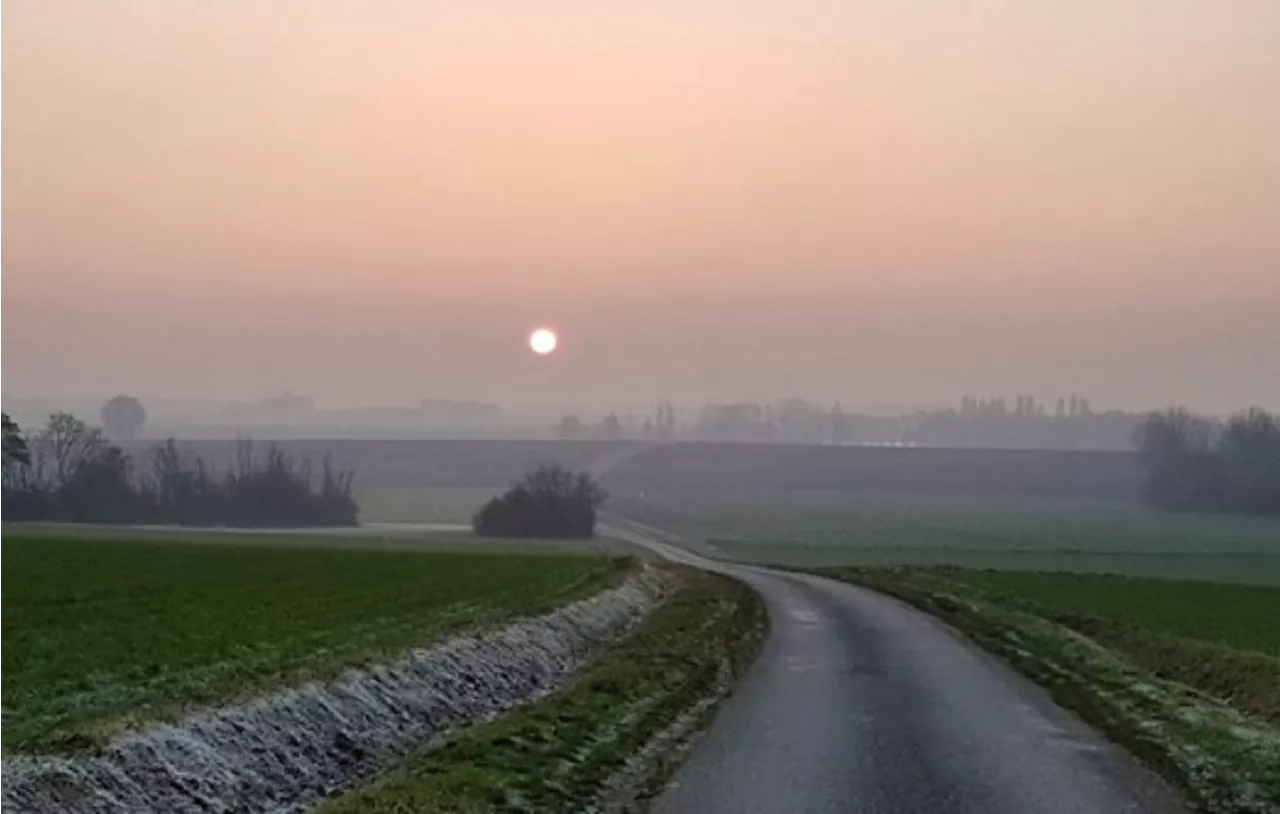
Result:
x=859 y=703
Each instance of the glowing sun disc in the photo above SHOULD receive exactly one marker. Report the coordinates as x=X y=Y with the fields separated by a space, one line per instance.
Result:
x=543 y=341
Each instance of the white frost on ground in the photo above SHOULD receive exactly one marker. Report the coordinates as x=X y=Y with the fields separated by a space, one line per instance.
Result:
x=285 y=752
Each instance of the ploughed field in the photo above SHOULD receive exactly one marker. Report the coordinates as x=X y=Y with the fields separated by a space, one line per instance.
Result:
x=103 y=632
x=908 y=473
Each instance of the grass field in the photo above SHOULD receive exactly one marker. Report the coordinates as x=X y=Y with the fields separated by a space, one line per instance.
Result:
x=1016 y=509
x=1221 y=639
x=101 y=632
x=826 y=529
x=1186 y=674
x=422 y=504
x=608 y=740
x=371 y=537
x=1241 y=617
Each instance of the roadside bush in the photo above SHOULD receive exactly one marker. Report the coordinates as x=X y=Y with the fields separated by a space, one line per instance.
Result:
x=549 y=502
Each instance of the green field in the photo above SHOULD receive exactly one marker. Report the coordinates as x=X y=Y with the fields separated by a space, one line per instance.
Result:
x=1242 y=617
x=418 y=504
x=825 y=529
x=1221 y=639
x=102 y=632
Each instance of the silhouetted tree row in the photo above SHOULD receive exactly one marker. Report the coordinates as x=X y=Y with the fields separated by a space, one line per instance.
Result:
x=549 y=502
x=988 y=423
x=1026 y=424
x=1197 y=464
x=992 y=423
x=70 y=472
x=660 y=427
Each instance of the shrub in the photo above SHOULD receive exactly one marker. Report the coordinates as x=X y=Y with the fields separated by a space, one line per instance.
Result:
x=549 y=502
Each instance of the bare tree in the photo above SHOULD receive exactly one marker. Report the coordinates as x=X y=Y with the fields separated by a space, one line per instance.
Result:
x=73 y=474
x=17 y=457
x=1177 y=451
x=1250 y=451
x=13 y=446
x=64 y=449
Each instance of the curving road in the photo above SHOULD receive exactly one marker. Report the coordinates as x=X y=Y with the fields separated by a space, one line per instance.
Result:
x=859 y=703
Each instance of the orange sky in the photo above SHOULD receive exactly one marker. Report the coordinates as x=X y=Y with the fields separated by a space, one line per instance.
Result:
x=871 y=201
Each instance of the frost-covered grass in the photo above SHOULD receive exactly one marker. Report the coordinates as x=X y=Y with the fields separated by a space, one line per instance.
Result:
x=1220 y=639
x=607 y=740
x=1126 y=675
x=285 y=751
x=102 y=634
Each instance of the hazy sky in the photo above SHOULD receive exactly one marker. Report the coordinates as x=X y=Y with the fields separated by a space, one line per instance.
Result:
x=877 y=201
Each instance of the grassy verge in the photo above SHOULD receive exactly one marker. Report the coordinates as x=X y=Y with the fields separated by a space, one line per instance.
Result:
x=1091 y=642
x=606 y=742
x=102 y=634
x=1221 y=639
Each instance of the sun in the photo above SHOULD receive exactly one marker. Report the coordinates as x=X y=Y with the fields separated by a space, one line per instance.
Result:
x=543 y=341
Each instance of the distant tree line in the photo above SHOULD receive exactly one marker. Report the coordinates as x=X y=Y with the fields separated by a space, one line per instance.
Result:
x=1071 y=423
x=1198 y=464
x=548 y=502
x=1023 y=423
x=661 y=426
x=70 y=472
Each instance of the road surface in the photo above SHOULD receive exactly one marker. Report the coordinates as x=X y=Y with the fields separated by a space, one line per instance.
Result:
x=859 y=703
